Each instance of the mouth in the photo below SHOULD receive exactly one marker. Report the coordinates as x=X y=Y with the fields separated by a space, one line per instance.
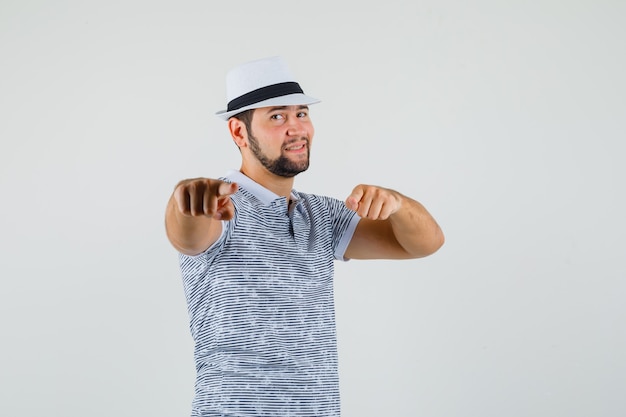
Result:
x=297 y=147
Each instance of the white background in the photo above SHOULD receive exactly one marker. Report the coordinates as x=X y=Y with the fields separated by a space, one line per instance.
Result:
x=505 y=119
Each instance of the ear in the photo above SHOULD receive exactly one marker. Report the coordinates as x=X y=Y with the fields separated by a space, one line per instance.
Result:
x=238 y=132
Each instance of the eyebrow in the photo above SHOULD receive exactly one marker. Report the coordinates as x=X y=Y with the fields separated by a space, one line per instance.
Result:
x=271 y=109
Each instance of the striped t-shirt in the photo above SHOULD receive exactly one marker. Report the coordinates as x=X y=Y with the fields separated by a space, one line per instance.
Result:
x=261 y=306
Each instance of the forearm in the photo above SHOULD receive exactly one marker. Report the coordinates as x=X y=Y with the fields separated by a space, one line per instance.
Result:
x=392 y=226
x=415 y=230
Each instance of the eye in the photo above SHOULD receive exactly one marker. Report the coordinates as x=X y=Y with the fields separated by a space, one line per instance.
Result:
x=277 y=116
x=303 y=114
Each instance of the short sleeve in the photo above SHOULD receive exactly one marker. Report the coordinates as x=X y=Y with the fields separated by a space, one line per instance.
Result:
x=344 y=222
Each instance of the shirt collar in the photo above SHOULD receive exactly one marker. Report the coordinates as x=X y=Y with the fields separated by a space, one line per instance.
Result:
x=264 y=195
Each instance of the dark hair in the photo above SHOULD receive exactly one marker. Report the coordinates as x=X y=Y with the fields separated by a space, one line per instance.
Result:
x=246 y=118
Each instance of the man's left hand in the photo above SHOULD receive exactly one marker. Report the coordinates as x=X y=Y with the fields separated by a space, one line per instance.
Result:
x=372 y=202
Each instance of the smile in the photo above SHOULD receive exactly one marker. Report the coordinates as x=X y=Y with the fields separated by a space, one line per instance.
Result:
x=299 y=146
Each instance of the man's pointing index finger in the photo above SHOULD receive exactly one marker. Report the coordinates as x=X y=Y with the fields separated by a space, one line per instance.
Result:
x=352 y=202
x=226 y=189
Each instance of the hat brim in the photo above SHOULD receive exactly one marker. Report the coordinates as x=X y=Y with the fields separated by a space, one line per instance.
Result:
x=288 y=100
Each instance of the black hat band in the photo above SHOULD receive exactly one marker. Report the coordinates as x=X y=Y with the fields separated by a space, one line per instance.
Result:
x=264 y=93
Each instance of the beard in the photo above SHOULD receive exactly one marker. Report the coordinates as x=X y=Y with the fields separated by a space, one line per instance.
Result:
x=281 y=166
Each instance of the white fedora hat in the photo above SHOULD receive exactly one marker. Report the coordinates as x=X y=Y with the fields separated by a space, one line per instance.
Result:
x=262 y=83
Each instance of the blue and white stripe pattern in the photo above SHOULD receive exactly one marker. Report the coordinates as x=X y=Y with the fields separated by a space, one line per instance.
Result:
x=261 y=306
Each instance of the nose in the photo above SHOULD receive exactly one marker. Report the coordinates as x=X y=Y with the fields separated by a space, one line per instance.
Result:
x=295 y=127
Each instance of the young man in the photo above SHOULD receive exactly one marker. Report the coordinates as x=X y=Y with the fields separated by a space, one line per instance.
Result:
x=257 y=256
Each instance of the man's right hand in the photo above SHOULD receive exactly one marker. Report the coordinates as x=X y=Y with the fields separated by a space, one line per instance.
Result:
x=205 y=197
x=194 y=211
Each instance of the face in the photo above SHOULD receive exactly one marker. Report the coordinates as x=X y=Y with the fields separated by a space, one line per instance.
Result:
x=280 y=139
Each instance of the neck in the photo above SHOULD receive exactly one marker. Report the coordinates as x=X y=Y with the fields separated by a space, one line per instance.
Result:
x=281 y=186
